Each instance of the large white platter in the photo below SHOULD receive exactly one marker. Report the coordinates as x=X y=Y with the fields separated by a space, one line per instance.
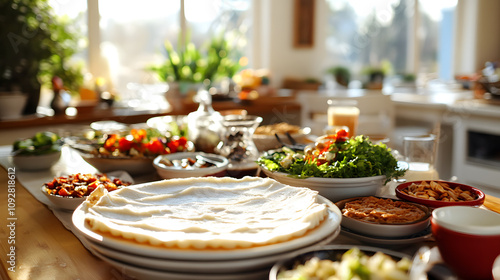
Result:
x=329 y=226
x=187 y=266
x=152 y=274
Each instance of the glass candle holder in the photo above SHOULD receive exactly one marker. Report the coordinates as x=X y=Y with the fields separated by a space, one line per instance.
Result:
x=237 y=144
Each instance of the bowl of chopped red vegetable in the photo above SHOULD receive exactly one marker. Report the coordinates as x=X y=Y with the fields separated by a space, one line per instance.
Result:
x=133 y=151
x=190 y=164
x=336 y=166
x=68 y=192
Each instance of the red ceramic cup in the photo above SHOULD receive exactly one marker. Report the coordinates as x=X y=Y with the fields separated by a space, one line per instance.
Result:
x=468 y=239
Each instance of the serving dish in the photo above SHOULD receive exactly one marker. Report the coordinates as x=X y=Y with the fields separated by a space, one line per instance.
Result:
x=61 y=202
x=424 y=235
x=330 y=252
x=39 y=152
x=36 y=162
x=468 y=239
x=71 y=202
x=335 y=189
x=477 y=201
x=208 y=266
x=139 y=272
x=132 y=151
x=133 y=166
x=337 y=166
x=385 y=230
x=168 y=167
x=331 y=226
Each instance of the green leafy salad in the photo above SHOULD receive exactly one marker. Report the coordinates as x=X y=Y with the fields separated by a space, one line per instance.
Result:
x=41 y=143
x=335 y=156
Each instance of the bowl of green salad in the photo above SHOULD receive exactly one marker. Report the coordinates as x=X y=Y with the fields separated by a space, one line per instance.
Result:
x=336 y=166
x=37 y=153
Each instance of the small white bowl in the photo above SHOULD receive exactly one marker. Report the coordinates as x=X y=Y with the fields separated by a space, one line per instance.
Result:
x=36 y=162
x=170 y=172
x=335 y=189
x=63 y=202
x=386 y=230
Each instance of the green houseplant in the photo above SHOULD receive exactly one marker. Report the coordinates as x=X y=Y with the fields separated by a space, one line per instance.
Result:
x=191 y=65
x=35 y=45
x=341 y=74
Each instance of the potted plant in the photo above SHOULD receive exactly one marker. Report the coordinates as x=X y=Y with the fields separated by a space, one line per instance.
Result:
x=376 y=75
x=189 y=65
x=341 y=74
x=33 y=40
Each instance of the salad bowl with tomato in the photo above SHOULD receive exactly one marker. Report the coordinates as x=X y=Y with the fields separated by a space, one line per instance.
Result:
x=133 y=151
x=337 y=166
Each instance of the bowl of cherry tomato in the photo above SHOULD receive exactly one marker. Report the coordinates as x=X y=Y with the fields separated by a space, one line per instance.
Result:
x=133 y=151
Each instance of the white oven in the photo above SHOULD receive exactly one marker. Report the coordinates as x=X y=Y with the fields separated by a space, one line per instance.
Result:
x=476 y=151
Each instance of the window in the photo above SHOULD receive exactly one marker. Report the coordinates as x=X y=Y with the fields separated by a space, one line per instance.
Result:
x=401 y=36
x=132 y=33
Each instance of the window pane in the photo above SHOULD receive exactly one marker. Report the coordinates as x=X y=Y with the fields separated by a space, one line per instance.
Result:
x=133 y=33
x=206 y=18
x=133 y=38
x=381 y=33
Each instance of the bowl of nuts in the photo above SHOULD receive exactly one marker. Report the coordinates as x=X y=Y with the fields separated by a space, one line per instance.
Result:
x=434 y=193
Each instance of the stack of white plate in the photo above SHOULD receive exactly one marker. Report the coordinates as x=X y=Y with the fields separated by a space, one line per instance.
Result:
x=144 y=261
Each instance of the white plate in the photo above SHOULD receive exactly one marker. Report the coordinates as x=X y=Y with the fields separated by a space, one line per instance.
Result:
x=153 y=274
x=335 y=189
x=225 y=266
x=418 y=237
x=327 y=227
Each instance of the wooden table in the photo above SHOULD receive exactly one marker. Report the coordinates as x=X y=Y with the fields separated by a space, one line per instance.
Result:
x=45 y=249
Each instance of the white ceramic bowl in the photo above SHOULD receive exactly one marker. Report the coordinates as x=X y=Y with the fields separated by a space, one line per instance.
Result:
x=386 y=230
x=63 y=202
x=133 y=166
x=170 y=172
x=36 y=162
x=335 y=189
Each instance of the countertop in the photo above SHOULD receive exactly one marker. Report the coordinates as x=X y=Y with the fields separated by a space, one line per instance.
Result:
x=267 y=105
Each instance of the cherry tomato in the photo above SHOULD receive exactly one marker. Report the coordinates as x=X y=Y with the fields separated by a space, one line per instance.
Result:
x=124 y=144
x=173 y=145
x=155 y=147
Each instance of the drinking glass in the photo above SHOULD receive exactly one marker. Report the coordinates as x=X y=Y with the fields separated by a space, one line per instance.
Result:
x=343 y=113
x=420 y=154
